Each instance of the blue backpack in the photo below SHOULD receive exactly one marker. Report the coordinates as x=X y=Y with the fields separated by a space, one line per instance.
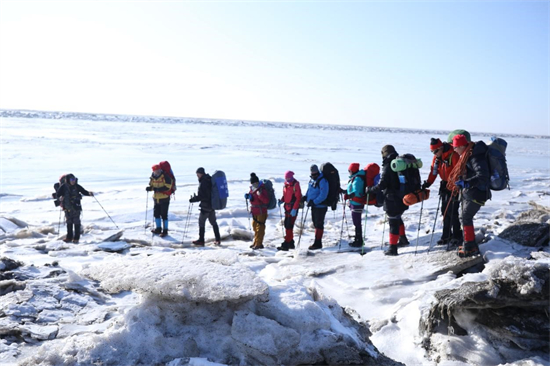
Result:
x=496 y=158
x=220 y=191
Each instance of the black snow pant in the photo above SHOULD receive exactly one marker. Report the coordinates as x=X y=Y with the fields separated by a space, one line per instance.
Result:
x=318 y=217
x=161 y=209
x=211 y=216
x=395 y=221
x=449 y=212
x=73 y=219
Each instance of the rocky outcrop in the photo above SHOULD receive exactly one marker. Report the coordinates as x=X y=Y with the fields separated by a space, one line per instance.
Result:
x=531 y=228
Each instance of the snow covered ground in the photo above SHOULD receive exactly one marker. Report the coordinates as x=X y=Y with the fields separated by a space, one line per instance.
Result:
x=123 y=297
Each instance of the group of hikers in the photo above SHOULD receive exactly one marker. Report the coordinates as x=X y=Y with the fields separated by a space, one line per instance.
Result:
x=461 y=164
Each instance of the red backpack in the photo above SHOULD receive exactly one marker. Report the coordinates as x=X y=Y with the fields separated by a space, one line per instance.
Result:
x=372 y=174
x=167 y=169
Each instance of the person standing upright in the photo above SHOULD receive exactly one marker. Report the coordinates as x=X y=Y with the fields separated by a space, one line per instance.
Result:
x=204 y=196
x=292 y=195
x=394 y=207
x=161 y=184
x=471 y=178
x=356 y=194
x=259 y=199
x=443 y=163
x=316 y=194
x=70 y=194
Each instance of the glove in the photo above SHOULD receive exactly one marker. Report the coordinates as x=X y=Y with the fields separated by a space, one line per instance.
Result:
x=293 y=212
x=462 y=184
x=303 y=200
x=194 y=198
x=310 y=203
x=346 y=196
x=148 y=188
x=425 y=185
x=280 y=202
x=91 y=193
x=247 y=196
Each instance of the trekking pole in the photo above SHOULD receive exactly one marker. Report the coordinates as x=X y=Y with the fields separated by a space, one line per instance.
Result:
x=146 y=211
x=342 y=226
x=283 y=226
x=435 y=222
x=418 y=231
x=105 y=211
x=452 y=215
x=59 y=222
x=187 y=220
x=249 y=225
x=383 y=231
x=365 y=226
x=304 y=218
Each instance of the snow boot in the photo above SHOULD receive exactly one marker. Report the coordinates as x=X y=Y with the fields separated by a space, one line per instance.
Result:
x=392 y=251
x=443 y=241
x=358 y=241
x=164 y=233
x=291 y=244
x=216 y=234
x=283 y=247
x=69 y=236
x=158 y=229
x=403 y=241
x=469 y=249
x=77 y=229
x=317 y=244
x=200 y=240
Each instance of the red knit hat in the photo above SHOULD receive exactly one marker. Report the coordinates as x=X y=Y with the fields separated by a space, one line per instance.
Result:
x=155 y=167
x=435 y=144
x=459 y=140
x=354 y=167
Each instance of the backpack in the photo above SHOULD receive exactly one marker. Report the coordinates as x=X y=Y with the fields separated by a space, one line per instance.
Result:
x=407 y=167
x=271 y=193
x=372 y=177
x=330 y=173
x=458 y=132
x=220 y=190
x=167 y=169
x=56 y=186
x=496 y=158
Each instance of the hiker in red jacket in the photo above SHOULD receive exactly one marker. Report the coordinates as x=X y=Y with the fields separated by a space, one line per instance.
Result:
x=259 y=199
x=292 y=194
x=444 y=161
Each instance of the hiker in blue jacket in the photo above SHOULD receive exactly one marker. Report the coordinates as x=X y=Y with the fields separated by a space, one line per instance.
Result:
x=316 y=194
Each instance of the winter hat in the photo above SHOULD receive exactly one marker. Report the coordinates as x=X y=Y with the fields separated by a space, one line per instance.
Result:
x=155 y=167
x=435 y=144
x=253 y=178
x=314 y=169
x=388 y=150
x=289 y=175
x=354 y=167
x=200 y=171
x=459 y=140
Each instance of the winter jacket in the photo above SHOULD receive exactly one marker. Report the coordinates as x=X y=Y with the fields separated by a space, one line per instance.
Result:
x=72 y=194
x=317 y=191
x=390 y=186
x=356 y=188
x=292 y=194
x=259 y=199
x=160 y=184
x=477 y=175
x=443 y=165
x=204 y=195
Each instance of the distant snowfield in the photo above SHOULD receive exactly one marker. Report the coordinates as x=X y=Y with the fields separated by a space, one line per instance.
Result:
x=123 y=297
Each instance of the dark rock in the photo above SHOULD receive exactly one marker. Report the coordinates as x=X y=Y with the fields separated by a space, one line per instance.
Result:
x=530 y=234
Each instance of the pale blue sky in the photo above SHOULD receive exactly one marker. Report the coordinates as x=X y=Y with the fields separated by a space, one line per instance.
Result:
x=481 y=66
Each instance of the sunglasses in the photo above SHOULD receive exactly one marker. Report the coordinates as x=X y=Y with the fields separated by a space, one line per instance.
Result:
x=436 y=151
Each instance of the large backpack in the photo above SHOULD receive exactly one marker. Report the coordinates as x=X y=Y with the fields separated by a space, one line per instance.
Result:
x=407 y=167
x=372 y=177
x=56 y=186
x=458 y=132
x=496 y=158
x=271 y=193
x=167 y=169
x=330 y=173
x=220 y=190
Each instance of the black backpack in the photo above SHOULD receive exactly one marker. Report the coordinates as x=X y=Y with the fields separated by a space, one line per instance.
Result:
x=496 y=158
x=56 y=186
x=330 y=173
x=407 y=167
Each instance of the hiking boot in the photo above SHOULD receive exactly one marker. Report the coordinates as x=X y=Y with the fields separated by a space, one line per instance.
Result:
x=356 y=244
x=291 y=244
x=469 y=249
x=403 y=241
x=164 y=233
x=157 y=231
x=317 y=244
x=68 y=240
x=199 y=243
x=283 y=247
x=392 y=251
x=256 y=247
x=75 y=241
x=455 y=243
x=443 y=241
x=217 y=242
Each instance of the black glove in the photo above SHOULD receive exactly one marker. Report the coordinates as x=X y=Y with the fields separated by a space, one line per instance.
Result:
x=303 y=200
x=148 y=188
x=425 y=185
x=310 y=203
x=194 y=198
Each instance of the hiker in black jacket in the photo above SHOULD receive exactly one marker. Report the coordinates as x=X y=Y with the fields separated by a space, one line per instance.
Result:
x=393 y=199
x=204 y=196
x=69 y=194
